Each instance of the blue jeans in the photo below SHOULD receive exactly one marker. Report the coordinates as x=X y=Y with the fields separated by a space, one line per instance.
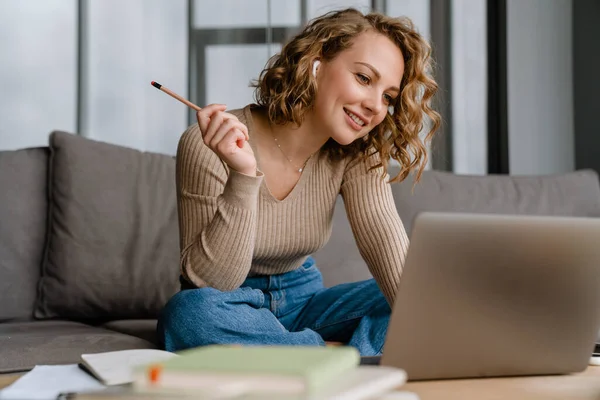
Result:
x=293 y=308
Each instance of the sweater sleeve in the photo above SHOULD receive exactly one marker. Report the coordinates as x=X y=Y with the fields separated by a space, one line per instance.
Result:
x=378 y=230
x=217 y=215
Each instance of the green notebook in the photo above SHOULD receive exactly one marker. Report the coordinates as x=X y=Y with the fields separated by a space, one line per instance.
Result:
x=289 y=370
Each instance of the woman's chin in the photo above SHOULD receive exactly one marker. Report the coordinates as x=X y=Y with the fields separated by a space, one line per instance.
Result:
x=344 y=140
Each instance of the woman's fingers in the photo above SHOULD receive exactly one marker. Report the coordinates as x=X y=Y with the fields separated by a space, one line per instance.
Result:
x=218 y=119
x=243 y=127
x=223 y=128
x=233 y=136
x=208 y=113
x=226 y=127
x=203 y=116
x=224 y=134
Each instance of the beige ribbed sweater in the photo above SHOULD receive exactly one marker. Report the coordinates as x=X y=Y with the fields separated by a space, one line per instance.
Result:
x=232 y=227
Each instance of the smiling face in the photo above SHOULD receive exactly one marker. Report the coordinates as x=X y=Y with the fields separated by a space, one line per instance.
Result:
x=356 y=88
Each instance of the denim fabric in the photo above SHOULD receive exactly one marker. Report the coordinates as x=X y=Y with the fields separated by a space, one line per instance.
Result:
x=287 y=309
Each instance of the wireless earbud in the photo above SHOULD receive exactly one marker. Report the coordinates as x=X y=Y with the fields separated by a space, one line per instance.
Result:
x=315 y=66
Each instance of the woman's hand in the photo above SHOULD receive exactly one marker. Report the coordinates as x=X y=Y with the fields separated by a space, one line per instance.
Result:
x=224 y=134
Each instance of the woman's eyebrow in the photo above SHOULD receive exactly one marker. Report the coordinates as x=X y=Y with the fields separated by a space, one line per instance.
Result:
x=376 y=73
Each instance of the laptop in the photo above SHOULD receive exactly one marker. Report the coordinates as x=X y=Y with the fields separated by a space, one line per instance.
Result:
x=496 y=295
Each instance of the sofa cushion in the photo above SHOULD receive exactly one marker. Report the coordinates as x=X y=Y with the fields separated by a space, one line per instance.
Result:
x=23 y=219
x=570 y=194
x=24 y=345
x=113 y=247
x=339 y=261
x=142 y=328
x=574 y=194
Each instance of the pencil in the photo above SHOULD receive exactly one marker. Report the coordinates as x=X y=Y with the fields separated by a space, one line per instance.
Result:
x=239 y=142
x=175 y=95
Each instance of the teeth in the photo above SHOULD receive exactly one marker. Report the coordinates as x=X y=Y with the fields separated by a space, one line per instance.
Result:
x=355 y=118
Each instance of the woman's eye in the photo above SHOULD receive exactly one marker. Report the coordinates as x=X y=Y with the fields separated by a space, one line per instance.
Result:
x=363 y=78
x=388 y=98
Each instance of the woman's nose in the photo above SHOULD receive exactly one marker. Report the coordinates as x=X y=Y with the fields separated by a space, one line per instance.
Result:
x=374 y=103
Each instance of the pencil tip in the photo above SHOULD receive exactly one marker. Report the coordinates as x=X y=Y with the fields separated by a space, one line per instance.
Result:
x=156 y=84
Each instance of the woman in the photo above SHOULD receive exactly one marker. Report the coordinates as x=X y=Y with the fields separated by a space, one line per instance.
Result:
x=257 y=188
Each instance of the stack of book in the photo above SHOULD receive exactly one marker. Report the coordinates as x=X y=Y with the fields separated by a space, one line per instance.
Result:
x=290 y=372
x=259 y=372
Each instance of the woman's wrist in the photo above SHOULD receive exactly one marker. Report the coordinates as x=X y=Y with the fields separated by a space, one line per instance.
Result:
x=249 y=172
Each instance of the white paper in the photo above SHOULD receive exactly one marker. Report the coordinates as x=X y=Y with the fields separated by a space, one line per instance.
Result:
x=46 y=382
x=116 y=367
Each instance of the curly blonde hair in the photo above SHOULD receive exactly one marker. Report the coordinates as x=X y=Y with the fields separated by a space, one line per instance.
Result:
x=286 y=87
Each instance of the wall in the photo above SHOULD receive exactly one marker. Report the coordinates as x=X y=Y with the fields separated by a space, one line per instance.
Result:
x=38 y=72
x=128 y=44
x=540 y=86
x=99 y=87
x=469 y=87
x=86 y=66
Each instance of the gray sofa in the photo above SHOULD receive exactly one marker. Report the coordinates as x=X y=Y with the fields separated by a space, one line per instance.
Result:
x=89 y=243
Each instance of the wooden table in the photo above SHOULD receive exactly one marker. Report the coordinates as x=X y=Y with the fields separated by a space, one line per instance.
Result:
x=585 y=385
x=582 y=386
x=7 y=379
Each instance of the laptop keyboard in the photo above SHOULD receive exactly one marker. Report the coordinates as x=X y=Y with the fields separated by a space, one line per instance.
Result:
x=370 y=360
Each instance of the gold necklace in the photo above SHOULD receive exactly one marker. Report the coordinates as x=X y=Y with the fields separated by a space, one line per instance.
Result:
x=299 y=169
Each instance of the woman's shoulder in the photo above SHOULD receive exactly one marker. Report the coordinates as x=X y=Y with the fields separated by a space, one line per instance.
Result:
x=190 y=139
x=241 y=113
x=369 y=164
x=244 y=113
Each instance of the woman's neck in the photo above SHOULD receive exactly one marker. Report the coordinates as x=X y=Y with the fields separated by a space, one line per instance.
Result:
x=297 y=142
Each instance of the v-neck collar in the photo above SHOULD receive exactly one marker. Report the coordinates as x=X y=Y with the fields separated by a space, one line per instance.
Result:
x=264 y=188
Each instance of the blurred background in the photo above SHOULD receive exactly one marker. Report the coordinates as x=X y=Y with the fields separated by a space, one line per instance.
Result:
x=519 y=78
